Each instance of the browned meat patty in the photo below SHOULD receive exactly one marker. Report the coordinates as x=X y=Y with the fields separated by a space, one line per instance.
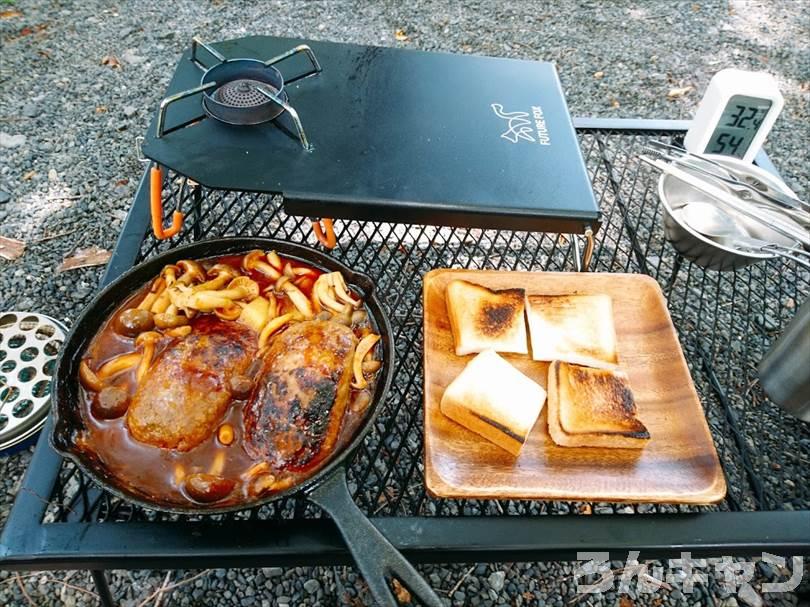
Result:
x=185 y=392
x=293 y=418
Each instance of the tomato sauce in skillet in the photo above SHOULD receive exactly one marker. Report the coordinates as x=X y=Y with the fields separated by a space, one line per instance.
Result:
x=217 y=463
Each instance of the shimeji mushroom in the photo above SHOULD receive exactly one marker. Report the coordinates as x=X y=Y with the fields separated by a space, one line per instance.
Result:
x=89 y=379
x=155 y=289
x=257 y=260
x=146 y=340
x=192 y=272
x=240 y=287
x=296 y=296
x=170 y=273
x=118 y=364
x=273 y=326
x=170 y=318
x=218 y=276
x=185 y=298
x=230 y=312
x=133 y=321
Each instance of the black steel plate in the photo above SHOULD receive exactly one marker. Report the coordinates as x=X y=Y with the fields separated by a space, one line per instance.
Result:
x=398 y=135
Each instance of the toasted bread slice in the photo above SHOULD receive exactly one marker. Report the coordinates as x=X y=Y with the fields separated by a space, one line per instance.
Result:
x=573 y=328
x=482 y=319
x=493 y=399
x=590 y=407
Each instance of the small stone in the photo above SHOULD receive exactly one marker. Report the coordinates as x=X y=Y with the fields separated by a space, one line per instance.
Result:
x=129 y=56
x=766 y=321
x=766 y=570
x=53 y=175
x=4 y=197
x=312 y=586
x=130 y=111
x=749 y=596
x=272 y=572
x=30 y=110
x=496 y=580
x=12 y=141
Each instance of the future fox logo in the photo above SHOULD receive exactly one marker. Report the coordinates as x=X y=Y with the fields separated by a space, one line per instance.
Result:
x=520 y=127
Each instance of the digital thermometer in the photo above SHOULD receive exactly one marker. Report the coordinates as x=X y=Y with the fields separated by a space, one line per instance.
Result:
x=735 y=115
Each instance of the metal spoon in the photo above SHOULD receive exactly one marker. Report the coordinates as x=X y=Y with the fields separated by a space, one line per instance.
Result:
x=710 y=220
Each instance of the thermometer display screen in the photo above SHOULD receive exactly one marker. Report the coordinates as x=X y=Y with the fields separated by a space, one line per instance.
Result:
x=737 y=126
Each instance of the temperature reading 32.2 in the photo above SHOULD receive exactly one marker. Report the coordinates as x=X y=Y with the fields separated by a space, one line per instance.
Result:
x=737 y=126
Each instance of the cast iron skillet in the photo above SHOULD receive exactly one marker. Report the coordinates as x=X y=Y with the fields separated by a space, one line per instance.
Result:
x=376 y=558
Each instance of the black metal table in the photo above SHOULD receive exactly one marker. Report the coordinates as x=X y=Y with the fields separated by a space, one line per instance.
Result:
x=726 y=322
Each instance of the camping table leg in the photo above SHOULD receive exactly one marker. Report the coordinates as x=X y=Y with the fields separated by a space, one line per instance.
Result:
x=103 y=588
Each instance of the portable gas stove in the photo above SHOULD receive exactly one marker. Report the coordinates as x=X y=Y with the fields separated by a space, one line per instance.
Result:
x=360 y=132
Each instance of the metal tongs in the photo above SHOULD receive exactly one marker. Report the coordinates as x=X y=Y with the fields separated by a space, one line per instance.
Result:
x=742 y=184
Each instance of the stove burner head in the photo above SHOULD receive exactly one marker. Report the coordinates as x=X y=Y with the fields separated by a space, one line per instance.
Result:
x=237 y=98
x=242 y=93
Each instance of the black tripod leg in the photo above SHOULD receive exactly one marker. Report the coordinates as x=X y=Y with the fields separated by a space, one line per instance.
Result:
x=103 y=588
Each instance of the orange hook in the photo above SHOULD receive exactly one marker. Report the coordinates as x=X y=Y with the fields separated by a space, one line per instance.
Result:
x=156 y=205
x=326 y=234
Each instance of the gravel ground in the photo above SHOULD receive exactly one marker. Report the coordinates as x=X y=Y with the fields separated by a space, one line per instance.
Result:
x=68 y=170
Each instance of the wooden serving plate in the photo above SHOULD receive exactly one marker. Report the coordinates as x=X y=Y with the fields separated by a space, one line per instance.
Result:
x=678 y=465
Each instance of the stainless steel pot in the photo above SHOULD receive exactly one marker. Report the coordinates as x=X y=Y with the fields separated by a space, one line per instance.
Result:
x=675 y=193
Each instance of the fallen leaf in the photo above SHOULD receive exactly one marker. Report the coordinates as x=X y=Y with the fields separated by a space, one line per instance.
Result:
x=614 y=103
x=625 y=601
x=10 y=248
x=85 y=258
x=101 y=109
x=111 y=61
x=599 y=75
x=585 y=509
x=401 y=35
x=696 y=8
x=679 y=91
x=402 y=594
x=123 y=181
x=10 y=14
x=29 y=176
x=44 y=54
x=28 y=30
x=804 y=87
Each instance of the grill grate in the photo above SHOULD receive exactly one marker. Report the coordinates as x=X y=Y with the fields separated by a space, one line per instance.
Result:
x=726 y=322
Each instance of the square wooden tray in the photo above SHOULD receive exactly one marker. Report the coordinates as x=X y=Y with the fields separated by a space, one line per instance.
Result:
x=679 y=464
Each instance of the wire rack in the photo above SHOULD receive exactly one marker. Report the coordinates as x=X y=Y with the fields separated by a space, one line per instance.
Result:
x=726 y=323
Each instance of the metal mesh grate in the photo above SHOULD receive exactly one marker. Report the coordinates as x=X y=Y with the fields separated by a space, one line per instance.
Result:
x=726 y=322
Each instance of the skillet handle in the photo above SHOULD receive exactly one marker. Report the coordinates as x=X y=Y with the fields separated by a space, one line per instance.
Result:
x=376 y=558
